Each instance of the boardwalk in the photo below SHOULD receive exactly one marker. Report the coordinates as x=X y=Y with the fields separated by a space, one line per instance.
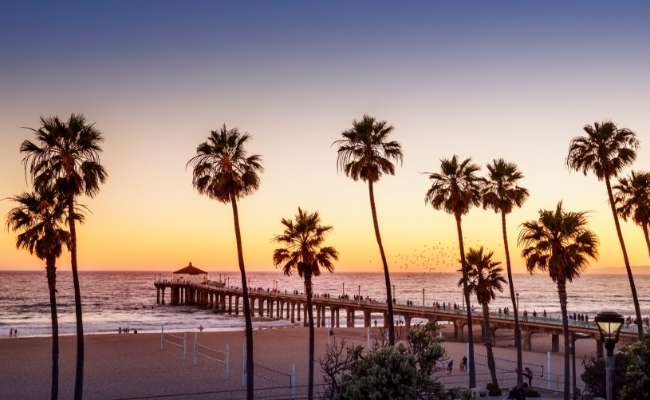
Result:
x=275 y=304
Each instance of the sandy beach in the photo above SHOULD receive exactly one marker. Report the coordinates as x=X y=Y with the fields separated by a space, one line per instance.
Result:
x=124 y=366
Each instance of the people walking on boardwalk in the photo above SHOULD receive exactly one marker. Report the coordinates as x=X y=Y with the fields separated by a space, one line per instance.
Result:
x=450 y=366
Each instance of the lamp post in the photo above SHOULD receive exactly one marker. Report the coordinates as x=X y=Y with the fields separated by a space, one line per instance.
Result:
x=394 y=299
x=609 y=324
x=343 y=288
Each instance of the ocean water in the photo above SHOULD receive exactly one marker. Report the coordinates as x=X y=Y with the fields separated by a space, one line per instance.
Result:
x=119 y=299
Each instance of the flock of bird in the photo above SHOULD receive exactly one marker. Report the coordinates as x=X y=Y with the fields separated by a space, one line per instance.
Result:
x=431 y=257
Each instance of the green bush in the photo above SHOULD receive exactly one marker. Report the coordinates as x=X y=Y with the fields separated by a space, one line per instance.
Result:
x=389 y=373
x=532 y=393
x=493 y=388
x=637 y=385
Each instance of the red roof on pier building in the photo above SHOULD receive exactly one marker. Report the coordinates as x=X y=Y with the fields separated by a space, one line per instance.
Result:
x=191 y=270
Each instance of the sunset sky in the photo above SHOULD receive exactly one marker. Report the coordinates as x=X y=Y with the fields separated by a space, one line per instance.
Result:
x=484 y=80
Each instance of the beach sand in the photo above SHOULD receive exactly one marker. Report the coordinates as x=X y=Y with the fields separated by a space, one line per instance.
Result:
x=123 y=366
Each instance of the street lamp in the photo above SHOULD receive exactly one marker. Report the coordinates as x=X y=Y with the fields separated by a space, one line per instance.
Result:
x=609 y=324
x=343 y=288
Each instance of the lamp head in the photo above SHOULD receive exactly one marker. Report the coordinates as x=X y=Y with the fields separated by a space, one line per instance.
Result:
x=609 y=324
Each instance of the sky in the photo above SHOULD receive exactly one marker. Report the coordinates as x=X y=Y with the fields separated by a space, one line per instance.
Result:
x=515 y=80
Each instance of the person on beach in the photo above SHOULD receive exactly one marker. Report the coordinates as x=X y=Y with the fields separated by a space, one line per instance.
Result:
x=200 y=328
x=545 y=314
x=11 y=332
x=450 y=366
x=517 y=393
x=119 y=330
x=528 y=373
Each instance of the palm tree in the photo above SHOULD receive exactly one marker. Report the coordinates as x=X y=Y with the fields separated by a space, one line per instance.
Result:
x=365 y=153
x=66 y=153
x=223 y=172
x=606 y=151
x=559 y=243
x=503 y=194
x=304 y=252
x=39 y=217
x=484 y=276
x=632 y=194
x=455 y=190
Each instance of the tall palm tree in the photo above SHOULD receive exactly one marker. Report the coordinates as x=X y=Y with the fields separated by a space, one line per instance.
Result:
x=365 y=153
x=455 y=190
x=483 y=278
x=606 y=151
x=66 y=153
x=304 y=252
x=223 y=171
x=632 y=195
x=502 y=194
x=40 y=217
x=559 y=243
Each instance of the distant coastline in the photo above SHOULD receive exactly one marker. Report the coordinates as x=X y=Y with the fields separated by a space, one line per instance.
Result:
x=644 y=270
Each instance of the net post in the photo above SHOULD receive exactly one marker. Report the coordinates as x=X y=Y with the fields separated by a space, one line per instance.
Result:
x=243 y=375
x=548 y=372
x=196 y=345
x=467 y=366
x=368 y=339
x=162 y=336
x=184 y=345
x=293 y=381
x=227 y=361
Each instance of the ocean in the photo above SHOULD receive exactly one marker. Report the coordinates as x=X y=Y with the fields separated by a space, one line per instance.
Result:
x=120 y=299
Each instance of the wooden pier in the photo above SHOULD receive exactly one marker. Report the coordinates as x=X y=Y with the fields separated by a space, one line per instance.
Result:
x=276 y=304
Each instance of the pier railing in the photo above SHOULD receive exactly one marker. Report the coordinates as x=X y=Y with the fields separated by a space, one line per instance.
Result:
x=414 y=307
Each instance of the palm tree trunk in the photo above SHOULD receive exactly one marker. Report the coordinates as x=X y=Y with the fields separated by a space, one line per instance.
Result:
x=470 y=334
x=645 y=236
x=250 y=386
x=561 y=290
x=389 y=293
x=488 y=343
x=51 y=283
x=310 y=315
x=520 y=378
x=635 y=298
x=79 y=376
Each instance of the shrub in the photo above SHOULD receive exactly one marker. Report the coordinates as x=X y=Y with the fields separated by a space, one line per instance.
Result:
x=493 y=388
x=532 y=393
x=387 y=372
x=637 y=384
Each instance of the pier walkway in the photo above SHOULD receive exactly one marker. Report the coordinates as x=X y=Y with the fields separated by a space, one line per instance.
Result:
x=278 y=304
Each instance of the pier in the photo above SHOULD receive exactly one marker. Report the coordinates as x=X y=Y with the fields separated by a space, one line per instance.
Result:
x=278 y=304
